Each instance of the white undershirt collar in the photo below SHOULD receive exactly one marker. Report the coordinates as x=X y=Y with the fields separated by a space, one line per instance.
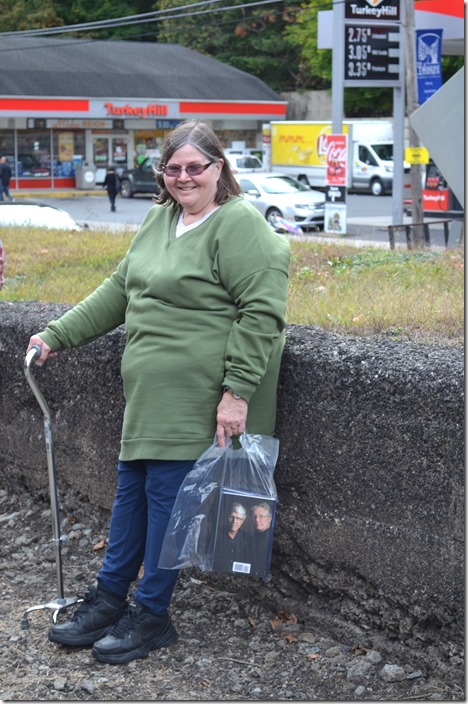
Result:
x=181 y=229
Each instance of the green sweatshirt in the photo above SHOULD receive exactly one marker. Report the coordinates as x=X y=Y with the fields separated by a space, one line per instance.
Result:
x=201 y=311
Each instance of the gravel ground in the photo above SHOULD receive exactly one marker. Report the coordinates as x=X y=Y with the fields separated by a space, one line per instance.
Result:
x=239 y=640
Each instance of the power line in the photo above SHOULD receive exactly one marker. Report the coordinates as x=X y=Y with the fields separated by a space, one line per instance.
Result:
x=136 y=37
x=103 y=24
x=156 y=16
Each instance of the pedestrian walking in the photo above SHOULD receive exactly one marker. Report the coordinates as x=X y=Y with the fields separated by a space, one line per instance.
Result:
x=5 y=178
x=112 y=185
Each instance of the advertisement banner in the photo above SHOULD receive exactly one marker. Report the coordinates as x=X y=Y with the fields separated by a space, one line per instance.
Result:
x=428 y=62
x=66 y=146
x=336 y=146
x=301 y=143
x=335 y=218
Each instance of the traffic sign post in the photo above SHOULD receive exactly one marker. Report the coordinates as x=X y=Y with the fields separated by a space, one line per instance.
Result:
x=336 y=180
x=368 y=52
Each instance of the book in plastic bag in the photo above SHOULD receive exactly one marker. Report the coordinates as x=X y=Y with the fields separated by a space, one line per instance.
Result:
x=223 y=516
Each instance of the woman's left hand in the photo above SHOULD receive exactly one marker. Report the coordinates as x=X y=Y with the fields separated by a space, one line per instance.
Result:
x=231 y=417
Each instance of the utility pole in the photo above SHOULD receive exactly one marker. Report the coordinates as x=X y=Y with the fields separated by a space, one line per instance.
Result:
x=411 y=105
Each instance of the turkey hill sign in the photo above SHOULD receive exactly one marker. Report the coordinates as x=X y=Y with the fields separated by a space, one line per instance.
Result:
x=372 y=10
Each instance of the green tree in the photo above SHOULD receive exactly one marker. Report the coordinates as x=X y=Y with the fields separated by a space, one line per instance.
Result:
x=79 y=11
x=250 y=39
x=17 y=15
x=315 y=67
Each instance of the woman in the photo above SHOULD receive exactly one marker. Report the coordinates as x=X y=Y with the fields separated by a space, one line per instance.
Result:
x=202 y=293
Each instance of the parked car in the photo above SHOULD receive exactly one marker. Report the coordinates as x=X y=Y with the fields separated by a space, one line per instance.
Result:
x=32 y=213
x=139 y=180
x=242 y=163
x=278 y=196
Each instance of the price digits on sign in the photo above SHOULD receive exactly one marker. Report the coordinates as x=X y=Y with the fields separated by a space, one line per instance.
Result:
x=358 y=51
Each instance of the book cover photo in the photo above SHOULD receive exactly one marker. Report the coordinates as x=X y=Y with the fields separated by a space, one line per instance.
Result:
x=244 y=534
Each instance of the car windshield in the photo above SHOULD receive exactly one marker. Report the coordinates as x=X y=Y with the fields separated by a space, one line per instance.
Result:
x=282 y=184
x=248 y=162
x=384 y=151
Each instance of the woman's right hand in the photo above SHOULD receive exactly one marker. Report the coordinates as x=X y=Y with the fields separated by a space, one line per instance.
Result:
x=46 y=351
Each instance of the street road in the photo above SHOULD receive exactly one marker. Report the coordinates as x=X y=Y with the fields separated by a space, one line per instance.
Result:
x=368 y=216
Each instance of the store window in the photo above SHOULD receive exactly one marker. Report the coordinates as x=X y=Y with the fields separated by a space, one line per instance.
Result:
x=69 y=150
x=34 y=158
x=7 y=147
x=148 y=143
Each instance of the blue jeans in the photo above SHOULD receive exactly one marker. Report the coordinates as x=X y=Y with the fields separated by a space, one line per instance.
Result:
x=5 y=190
x=146 y=493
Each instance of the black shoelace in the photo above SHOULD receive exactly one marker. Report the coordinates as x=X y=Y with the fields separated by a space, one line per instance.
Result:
x=127 y=623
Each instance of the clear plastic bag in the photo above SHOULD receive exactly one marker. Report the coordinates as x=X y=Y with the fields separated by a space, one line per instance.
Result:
x=223 y=516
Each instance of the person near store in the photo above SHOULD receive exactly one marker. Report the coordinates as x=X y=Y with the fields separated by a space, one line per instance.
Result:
x=5 y=178
x=112 y=186
x=202 y=294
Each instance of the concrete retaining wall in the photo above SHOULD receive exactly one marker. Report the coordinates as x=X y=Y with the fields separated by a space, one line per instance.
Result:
x=370 y=477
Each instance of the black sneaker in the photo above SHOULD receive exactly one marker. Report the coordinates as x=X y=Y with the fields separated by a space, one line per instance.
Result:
x=94 y=617
x=137 y=632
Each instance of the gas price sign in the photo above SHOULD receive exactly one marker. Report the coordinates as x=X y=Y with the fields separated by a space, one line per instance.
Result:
x=372 y=54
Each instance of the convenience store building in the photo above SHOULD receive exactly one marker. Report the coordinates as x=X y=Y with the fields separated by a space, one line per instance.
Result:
x=65 y=103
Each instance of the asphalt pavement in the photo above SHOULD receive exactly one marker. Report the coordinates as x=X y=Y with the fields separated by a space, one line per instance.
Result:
x=368 y=217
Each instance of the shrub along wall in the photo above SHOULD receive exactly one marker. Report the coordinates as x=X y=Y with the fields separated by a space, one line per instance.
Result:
x=370 y=477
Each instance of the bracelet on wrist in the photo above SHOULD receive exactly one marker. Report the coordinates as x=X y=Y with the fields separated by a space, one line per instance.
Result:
x=227 y=389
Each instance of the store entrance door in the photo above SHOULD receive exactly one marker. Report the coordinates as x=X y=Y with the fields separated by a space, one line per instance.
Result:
x=107 y=150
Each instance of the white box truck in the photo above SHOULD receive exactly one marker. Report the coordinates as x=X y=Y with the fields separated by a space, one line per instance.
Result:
x=298 y=149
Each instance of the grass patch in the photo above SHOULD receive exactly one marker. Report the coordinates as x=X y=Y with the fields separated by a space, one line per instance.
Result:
x=405 y=295
x=57 y=266
x=417 y=295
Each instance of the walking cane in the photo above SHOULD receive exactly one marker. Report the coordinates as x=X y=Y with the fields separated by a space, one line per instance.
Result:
x=61 y=601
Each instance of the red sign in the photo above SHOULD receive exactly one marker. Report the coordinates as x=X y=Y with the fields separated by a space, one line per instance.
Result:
x=435 y=200
x=336 y=146
x=139 y=111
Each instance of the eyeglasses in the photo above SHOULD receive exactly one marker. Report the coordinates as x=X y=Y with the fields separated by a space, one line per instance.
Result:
x=173 y=170
x=255 y=517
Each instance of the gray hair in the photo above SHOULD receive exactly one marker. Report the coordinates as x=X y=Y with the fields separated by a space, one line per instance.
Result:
x=202 y=137
x=239 y=509
x=263 y=506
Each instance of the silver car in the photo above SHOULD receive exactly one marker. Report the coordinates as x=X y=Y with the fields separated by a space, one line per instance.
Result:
x=281 y=198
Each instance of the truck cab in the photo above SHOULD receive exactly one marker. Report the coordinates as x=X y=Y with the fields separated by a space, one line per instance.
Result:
x=372 y=167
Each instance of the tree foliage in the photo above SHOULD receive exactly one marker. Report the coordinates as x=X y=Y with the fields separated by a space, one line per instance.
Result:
x=275 y=42
x=250 y=39
x=316 y=66
x=18 y=15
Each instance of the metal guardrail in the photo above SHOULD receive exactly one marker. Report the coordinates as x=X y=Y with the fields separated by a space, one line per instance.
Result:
x=425 y=226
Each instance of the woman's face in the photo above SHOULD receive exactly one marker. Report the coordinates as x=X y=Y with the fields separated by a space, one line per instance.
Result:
x=196 y=194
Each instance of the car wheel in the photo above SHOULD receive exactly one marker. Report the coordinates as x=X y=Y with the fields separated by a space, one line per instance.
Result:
x=377 y=187
x=271 y=217
x=126 y=190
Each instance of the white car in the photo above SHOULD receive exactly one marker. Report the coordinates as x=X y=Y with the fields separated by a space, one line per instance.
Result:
x=243 y=163
x=281 y=198
x=31 y=213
